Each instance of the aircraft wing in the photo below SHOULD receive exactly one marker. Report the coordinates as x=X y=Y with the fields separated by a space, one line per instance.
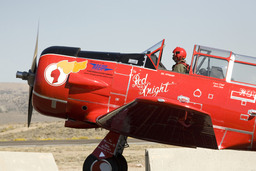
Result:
x=162 y=120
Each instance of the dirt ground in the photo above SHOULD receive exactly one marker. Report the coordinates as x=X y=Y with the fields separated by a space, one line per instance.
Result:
x=68 y=157
x=71 y=158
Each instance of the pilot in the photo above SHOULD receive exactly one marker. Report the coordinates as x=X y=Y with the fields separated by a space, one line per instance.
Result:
x=179 y=55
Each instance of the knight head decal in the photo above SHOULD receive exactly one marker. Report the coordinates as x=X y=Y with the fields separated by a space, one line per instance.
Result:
x=56 y=74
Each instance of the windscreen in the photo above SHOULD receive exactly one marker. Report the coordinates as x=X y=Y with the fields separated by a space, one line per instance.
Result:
x=153 y=48
x=153 y=56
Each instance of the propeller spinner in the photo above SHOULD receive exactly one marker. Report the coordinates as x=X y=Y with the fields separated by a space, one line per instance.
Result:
x=30 y=77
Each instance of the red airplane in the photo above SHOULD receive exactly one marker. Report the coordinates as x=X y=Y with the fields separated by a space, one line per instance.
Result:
x=133 y=94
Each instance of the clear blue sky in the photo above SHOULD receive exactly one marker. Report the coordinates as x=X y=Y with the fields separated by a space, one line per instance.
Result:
x=122 y=26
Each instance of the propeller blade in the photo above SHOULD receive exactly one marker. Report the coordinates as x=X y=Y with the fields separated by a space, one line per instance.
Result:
x=30 y=106
x=34 y=62
x=31 y=79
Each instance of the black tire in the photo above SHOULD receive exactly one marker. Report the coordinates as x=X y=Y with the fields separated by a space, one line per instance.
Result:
x=88 y=162
x=114 y=163
x=122 y=163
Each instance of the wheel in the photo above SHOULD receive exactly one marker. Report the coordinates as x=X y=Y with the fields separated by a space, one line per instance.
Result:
x=122 y=163
x=88 y=162
x=93 y=164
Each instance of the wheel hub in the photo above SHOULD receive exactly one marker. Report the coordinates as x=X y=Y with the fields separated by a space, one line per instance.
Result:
x=102 y=165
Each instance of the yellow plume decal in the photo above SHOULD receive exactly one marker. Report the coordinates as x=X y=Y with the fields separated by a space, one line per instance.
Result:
x=74 y=67
x=79 y=66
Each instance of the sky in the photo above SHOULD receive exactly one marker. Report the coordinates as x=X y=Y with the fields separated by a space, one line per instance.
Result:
x=126 y=26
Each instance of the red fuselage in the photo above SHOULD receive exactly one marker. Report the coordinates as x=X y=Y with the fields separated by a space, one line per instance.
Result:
x=82 y=89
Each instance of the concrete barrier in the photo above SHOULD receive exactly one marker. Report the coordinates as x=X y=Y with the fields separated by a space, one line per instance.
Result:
x=180 y=159
x=21 y=161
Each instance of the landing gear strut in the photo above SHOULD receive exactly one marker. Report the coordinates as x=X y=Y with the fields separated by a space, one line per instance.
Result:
x=108 y=155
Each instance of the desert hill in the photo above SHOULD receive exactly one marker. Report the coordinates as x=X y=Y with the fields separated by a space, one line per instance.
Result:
x=13 y=97
x=14 y=105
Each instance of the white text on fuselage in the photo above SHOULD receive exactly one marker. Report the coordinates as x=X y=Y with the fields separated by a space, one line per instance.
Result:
x=244 y=95
x=145 y=87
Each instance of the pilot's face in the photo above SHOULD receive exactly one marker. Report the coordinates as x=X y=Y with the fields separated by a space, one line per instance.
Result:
x=174 y=57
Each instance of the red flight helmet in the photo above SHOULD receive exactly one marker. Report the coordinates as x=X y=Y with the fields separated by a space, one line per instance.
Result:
x=179 y=53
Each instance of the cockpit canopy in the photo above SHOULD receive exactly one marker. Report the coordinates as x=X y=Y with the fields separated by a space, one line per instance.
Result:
x=210 y=62
x=223 y=64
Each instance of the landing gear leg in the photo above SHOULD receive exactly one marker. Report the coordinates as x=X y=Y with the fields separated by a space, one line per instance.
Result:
x=108 y=155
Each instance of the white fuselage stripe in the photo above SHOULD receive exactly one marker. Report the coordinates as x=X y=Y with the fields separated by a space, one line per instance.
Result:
x=232 y=129
x=104 y=104
x=117 y=94
x=49 y=98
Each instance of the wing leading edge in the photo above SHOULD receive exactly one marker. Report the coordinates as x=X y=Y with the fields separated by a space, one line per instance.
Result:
x=162 y=120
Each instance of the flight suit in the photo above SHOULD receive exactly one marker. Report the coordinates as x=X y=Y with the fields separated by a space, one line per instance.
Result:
x=180 y=67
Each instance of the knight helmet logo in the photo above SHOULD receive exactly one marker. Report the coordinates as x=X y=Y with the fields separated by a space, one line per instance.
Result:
x=56 y=74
